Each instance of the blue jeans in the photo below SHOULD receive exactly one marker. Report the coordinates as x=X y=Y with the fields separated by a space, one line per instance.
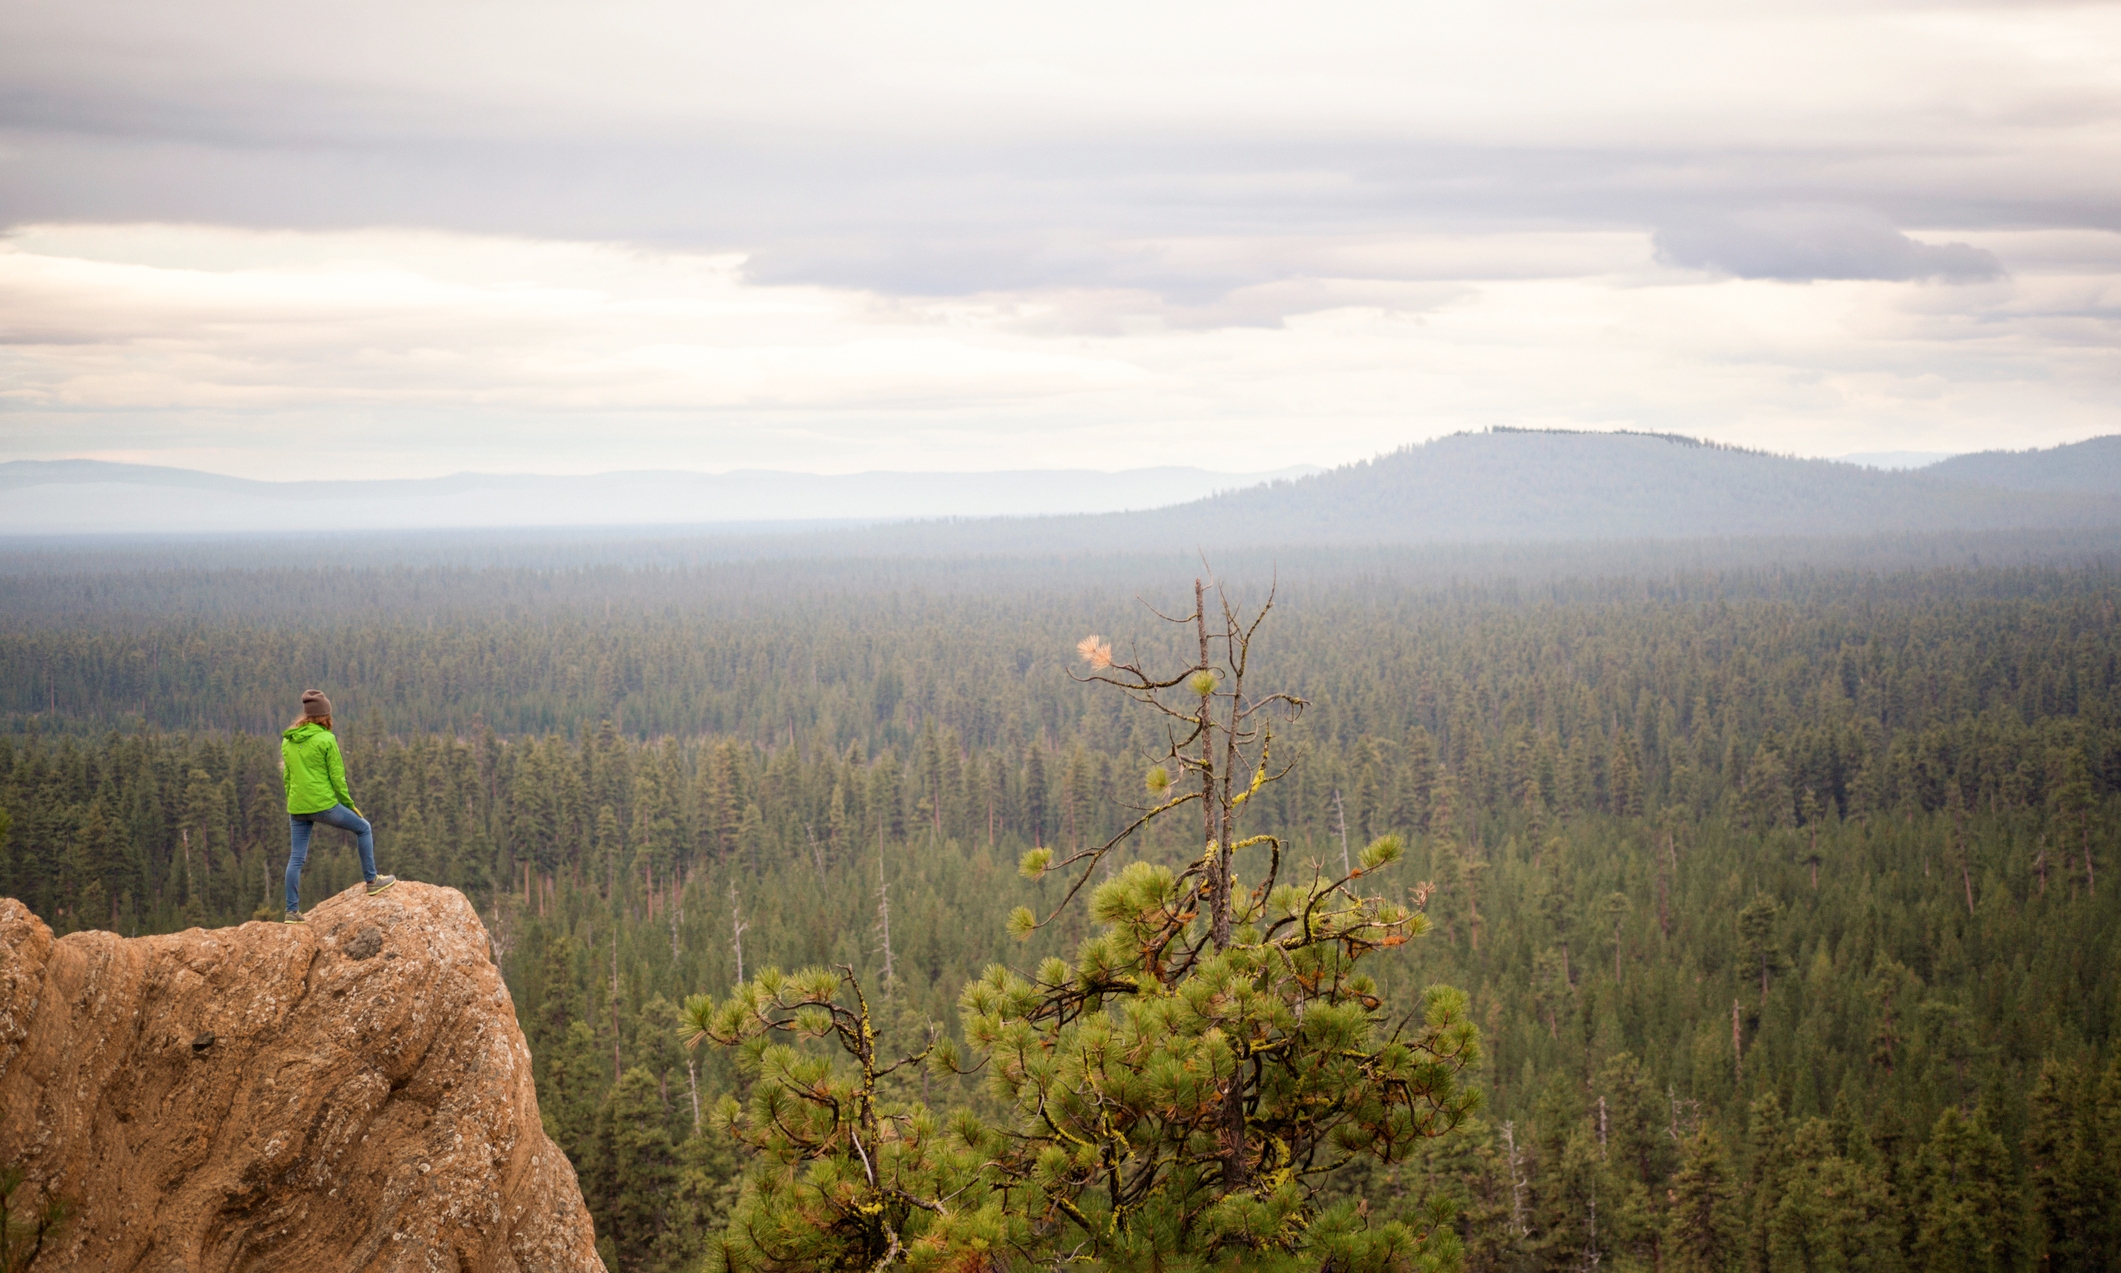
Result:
x=299 y=827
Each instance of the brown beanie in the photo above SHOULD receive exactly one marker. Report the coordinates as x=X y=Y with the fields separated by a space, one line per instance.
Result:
x=315 y=705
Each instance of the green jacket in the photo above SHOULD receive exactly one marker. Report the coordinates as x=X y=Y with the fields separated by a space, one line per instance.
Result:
x=310 y=766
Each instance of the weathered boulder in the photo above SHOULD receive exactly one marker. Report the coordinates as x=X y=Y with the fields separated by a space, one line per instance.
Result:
x=348 y=1094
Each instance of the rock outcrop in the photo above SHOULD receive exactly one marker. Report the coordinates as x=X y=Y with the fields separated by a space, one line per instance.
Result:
x=350 y=1094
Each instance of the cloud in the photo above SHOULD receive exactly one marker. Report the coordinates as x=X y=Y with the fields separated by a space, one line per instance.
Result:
x=948 y=149
x=1807 y=243
x=963 y=234
x=384 y=352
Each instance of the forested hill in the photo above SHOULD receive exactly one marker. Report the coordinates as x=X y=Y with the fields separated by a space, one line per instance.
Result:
x=1502 y=486
x=2092 y=465
x=1525 y=486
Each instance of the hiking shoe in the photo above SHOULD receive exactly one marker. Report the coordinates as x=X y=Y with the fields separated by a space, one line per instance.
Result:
x=296 y=917
x=380 y=883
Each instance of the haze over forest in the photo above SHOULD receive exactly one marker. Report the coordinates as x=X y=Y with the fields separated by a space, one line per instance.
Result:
x=1498 y=486
x=1757 y=804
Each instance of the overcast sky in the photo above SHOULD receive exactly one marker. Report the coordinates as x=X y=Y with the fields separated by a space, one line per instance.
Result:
x=397 y=239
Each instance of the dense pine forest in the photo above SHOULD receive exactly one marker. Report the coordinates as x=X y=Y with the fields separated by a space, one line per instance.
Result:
x=1776 y=894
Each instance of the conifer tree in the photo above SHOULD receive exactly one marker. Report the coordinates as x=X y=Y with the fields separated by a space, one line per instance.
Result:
x=2060 y=1167
x=576 y=1078
x=1414 y=797
x=1702 y=1234
x=1624 y=782
x=1550 y=989
x=1808 y=814
x=2102 y=1147
x=1893 y=990
x=97 y=865
x=1472 y=871
x=1035 y=795
x=1768 y=1148
x=1766 y=791
x=2072 y=801
x=640 y=1168
x=721 y=811
x=1833 y=1212
x=699 y=1201
x=610 y=851
x=1557 y=899
x=1615 y=908
x=1964 y=1206
x=1630 y=1110
x=1173 y=1095
x=1756 y=933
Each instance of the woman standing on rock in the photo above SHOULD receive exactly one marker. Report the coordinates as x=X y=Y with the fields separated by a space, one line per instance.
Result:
x=316 y=792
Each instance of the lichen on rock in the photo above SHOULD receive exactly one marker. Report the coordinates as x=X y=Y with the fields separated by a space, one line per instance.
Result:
x=275 y=1096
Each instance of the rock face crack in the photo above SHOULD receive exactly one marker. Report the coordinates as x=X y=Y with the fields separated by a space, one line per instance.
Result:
x=206 y=1110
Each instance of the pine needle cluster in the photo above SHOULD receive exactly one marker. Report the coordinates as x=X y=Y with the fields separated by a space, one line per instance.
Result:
x=1174 y=1097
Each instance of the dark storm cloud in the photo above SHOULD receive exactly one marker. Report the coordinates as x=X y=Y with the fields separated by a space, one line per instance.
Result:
x=1810 y=243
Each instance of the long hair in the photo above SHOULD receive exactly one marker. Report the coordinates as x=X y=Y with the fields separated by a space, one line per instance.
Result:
x=325 y=721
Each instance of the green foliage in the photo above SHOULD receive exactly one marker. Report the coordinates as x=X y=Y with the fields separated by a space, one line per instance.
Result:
x=1702 y=1229
x=843 y=1177
x=633 y=1137
x=1117 y=1070
x=1948 y=741
x=1169 y=1098
x=30 y=1217
x=2072 y=1140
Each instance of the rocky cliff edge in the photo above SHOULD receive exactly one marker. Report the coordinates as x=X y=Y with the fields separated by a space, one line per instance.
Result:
x=348 y=1094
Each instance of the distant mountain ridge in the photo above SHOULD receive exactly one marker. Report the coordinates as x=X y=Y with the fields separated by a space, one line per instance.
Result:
x=2091 y=465
x=1894 y=459
x=1530 y=485
x=94 y=496
x=1504 y=485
